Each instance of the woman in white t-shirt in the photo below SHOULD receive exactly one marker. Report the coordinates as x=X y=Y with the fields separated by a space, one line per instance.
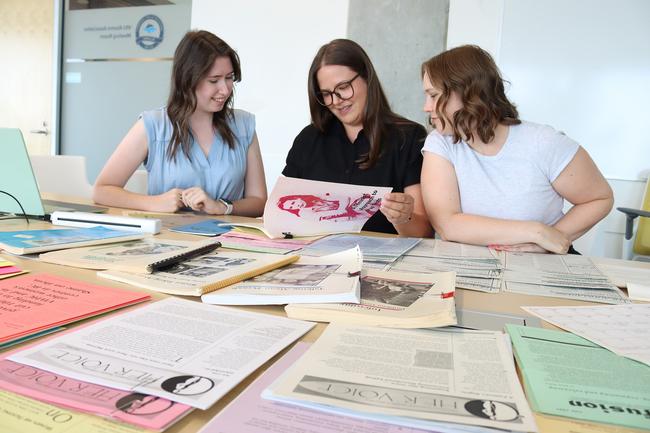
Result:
x=489 y=178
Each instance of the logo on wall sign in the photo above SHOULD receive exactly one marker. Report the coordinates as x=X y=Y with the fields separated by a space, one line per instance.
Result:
x=149 y=32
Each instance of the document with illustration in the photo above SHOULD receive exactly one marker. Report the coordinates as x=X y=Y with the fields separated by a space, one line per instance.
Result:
x=37 y=241
x=205 y=273
x=180 y=350
x=139 y=409
x=409 y=377
x=391 y=299
x=301 y=207
x=250 y=413
x=132 y=256
x=332 y=278
x=566 y=375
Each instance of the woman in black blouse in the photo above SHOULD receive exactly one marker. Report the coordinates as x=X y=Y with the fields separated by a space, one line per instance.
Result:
x=355 y=138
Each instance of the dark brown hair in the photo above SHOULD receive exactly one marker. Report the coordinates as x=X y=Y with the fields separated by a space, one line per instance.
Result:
x=471 y=72
x=194 y=56
x=377 y=115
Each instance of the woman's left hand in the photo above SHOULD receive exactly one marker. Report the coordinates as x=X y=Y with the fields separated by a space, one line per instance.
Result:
x=196 y=199
x=520 y=248
x=398 y=207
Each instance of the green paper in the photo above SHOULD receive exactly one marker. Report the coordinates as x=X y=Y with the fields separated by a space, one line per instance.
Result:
x=567 y=375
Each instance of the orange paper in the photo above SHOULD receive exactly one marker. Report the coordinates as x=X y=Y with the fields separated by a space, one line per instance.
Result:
x=34 y=303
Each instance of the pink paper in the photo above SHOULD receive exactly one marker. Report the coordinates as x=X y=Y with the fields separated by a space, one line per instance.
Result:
x=9 y=270
x=147 y=411
x=250 y=413
x=35 y=302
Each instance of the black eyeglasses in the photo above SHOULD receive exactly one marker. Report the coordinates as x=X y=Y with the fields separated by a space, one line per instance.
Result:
x=343 y=90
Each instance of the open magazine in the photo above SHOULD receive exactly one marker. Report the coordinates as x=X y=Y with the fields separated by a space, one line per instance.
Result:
x=300 y=207
x=332 y=278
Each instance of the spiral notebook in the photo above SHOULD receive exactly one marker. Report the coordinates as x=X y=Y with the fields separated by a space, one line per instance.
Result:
x=205 y=273
x=146 y=255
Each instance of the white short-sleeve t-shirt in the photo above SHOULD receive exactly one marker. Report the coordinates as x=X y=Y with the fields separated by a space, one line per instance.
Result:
x=516 y=182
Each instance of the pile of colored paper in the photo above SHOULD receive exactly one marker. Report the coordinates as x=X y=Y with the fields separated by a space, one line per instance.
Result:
x=9 y=269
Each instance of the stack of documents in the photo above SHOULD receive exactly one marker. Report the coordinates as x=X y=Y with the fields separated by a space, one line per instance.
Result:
x=332 y=278
x=377 y=252
x=413 y=378
x=559 y=276
x=477 y=268
x=241 y=239
x=33 y=305
x=391 y=299
x=178 y=350
x=9 y=269
x=566 y=375
x=623 y=329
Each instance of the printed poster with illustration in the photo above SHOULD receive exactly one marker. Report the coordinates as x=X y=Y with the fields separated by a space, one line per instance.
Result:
x=303 y=207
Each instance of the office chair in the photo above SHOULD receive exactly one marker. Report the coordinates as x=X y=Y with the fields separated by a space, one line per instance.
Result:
x=62 y=174
x=641 y=245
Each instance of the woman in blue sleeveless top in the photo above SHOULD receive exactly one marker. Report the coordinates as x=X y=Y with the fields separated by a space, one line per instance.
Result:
x=199 y=151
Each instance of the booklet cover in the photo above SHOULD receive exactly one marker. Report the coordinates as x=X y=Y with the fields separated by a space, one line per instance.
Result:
x=177 y=349
x=300 y=207
x=333 y=278
x=134 y=408
x=209 y=227
x=203 y=274
x=250 y=413
x=409 y=377
x=36 y=241
x=391 y=299
x=132 y=256
x=567 y=375
x=33 y=303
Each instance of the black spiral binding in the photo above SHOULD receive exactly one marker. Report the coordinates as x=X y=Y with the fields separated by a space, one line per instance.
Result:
x=173 y=260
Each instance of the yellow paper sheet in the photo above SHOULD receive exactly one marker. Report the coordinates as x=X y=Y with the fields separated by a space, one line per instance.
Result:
x=20 y=414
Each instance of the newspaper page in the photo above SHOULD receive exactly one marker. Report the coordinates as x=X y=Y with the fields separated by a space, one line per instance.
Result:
x=391 y=299
x=304 y=207
x=409 y=377
x=555 y=270
x=374 y=248
x=611 y=296
x=250 y=413
x=184 y=351
x=332 y=278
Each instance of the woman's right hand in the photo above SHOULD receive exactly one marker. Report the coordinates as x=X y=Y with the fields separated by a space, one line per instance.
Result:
x=551 y=239
x=170 y=201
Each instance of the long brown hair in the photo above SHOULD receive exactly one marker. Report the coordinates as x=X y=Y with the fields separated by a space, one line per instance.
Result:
x=193 y=58
x=377 y=115
x=471 y=72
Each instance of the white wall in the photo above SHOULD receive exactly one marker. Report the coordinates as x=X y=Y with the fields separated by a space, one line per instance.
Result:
x=581 y=66
x=276 y=42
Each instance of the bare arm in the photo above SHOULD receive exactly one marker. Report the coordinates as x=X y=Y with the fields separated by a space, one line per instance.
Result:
x=582 y=185
x=442 y=203
x=129 y=154
x=406 y=212
x=255 y=184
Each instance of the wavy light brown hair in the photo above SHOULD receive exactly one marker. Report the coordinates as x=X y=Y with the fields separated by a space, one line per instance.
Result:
x=377 y=115
x=193 y=58
x=471 y=72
